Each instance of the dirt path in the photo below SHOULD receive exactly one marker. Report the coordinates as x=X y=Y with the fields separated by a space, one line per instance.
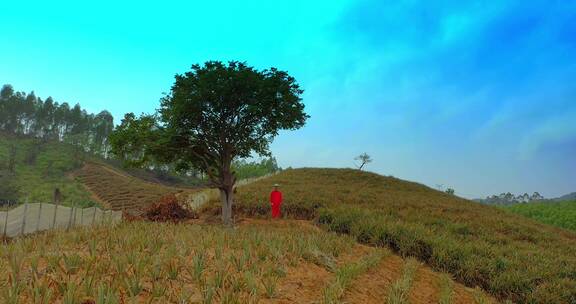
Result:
x=302 y=284
x=425 y=288
x=372 y=287
x=463 y=295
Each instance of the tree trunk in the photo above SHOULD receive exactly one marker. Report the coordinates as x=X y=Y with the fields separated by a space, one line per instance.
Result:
x=226 y=197
x=226 y=181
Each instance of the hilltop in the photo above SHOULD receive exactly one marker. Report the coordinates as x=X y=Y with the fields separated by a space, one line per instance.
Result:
x=510 y=256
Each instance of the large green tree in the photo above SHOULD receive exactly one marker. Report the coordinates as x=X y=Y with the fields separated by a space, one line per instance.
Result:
x=214 y=114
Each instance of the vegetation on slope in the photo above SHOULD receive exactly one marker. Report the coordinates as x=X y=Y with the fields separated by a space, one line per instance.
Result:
x=560 y=214
x=121 y=191
x=27 y=116
x=41 y=166
x=32 y=169
x=346 y=274
x=507 y=255
x=143 y=262
x=162 y=262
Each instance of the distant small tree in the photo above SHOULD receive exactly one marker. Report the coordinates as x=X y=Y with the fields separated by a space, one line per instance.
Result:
x=364 y=159
x=450 y=191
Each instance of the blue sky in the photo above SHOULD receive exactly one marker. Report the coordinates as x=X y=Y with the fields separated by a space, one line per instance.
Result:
x=476 y=95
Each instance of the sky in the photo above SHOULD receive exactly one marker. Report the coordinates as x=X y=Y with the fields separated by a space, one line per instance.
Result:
x=479 y=96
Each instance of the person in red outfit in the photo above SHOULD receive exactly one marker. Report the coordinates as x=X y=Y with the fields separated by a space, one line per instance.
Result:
x=276 y=201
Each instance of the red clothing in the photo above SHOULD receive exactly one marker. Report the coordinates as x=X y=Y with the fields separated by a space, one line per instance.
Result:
x=276 y=197
x=276 y=201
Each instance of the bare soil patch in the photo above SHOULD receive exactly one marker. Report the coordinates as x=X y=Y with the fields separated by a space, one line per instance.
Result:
x=302 y=284
x=372 y=287
x=425 y=287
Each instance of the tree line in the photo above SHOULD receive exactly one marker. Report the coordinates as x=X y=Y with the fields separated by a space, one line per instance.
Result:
x=25 y=114
x=29 y=115
x=247 y=169
x=509 y=198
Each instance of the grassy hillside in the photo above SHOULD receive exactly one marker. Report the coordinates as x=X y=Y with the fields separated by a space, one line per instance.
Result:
x=259 y=262
x=41 y=167
x=508 y=255
x=560 y=214
x=84 y=180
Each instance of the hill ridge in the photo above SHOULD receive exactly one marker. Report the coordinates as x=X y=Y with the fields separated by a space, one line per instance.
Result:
x=508 y=255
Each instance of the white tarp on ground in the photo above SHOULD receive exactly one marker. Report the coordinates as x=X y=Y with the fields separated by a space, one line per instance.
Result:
x=30 y=218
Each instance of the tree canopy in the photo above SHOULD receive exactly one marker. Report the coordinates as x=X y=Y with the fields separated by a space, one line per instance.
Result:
x=214 y=114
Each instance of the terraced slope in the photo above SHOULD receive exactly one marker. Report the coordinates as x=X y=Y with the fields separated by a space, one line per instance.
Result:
x=119 y=191
x=509 y=256
x=259 y=262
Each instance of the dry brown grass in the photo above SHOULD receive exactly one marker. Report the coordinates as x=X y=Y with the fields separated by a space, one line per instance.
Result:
x=260 y=261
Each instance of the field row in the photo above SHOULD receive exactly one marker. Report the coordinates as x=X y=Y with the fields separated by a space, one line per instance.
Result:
x=257 y=263
x=119 y=191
